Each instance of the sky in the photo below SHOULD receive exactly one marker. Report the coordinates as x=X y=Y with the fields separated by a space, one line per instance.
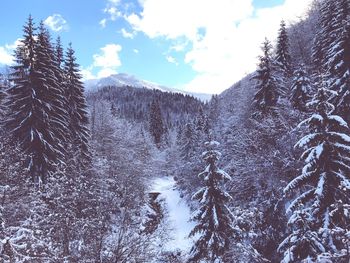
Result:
x=193 y=45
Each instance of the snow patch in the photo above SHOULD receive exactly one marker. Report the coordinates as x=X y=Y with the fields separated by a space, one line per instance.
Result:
x=178 y=211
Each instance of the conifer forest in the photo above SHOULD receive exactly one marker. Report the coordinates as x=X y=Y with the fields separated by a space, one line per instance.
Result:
x=123 y=174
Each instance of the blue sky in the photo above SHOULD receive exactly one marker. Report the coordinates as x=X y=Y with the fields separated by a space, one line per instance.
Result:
x=195 y=45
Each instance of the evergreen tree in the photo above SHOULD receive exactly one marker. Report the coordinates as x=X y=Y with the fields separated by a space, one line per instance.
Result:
x=301 y=89
x=47 y=65
x=214 y=109
x=214 y=219
x=317 y=230
x=2 y=101
x=338 y=59
x=200 y=120
x=156 y=125
x=32 y=112
x=283 y=58
x=188 y=142
x=77 y=109
x=59 y=52
x=266 y=97
x=324 y=36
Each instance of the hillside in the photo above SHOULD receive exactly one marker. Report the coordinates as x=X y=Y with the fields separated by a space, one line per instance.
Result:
x=126 y=80
x=122 y=170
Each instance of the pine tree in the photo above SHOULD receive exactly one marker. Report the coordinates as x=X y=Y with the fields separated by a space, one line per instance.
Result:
x=214 y=109
x=47 y=65
x=59 y=52
x=77 y=109
x=156 y=125
x=214 y=219
x=301 y=89
x=32 y=104
x=283 y=58
x=338 y=59
x=202 y=128
x=317 y=230
x=2 y=101
x=268 y=92
x=188 y=142
x=200 y=120
x=324 y=36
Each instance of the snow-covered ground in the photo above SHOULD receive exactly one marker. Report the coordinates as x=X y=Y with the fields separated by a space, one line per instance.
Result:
x=178 y=211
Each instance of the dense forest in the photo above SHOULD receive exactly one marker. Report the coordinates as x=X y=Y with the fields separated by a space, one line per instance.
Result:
x=262 y=170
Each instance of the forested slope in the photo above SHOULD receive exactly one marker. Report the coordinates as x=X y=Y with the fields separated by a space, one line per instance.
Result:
x=264 y=166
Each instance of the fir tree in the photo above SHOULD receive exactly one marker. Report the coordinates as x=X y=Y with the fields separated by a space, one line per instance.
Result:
x=283 y=58
x=188 y=142
x=32 y=104
x=266 y=97
x=2 y=101
x=156 y=125
x=301 y=89
x=338 y=59
x=200 y=120
x=317 y=230
x=77 y=109
x=59 y=52
x=48 y=67
x=214 y=109
x=214 y=219
x=324 y=36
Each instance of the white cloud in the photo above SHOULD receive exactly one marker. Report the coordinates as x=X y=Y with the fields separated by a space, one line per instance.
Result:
x=136 y=51
x=5 y=56
x=127 y=34
x=178 y=47
x=103 y=23
x=176 y=18
x=105 y=63
x=106 y=72
x=6 y=53
x=113 y=12
x=224 y=35
x=109 y=57
x=87 y=73
x=172 y=60
x=56 y=23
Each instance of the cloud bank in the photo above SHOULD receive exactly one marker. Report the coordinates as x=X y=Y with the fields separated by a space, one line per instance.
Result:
x=222 y=37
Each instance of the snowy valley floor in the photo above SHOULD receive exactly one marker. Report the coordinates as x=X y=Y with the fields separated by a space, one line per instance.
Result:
x=178 y=214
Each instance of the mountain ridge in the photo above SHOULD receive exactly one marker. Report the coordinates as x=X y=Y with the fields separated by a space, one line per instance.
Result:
x=124 y=79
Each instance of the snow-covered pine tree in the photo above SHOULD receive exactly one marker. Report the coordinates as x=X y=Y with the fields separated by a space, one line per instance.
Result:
x=59 y=52
x=338 y=59
x=324 y=36
x=324 y=183
x=156 y=125
x=301 y=89
x=201 y=124
x=2 y=101
x=31 y=107
x=200 y=120
x=77 y=109
x=214 y=110
x=266 y=97
x=303 y=242
x=283 y=58
x=188 y=142
x=214 y=219
x=47 y=65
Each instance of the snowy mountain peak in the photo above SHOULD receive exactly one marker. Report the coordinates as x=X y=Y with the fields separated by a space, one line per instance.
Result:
x=124 y=79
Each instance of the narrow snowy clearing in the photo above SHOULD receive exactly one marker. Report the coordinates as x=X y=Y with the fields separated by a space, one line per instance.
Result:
x=178 y=211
